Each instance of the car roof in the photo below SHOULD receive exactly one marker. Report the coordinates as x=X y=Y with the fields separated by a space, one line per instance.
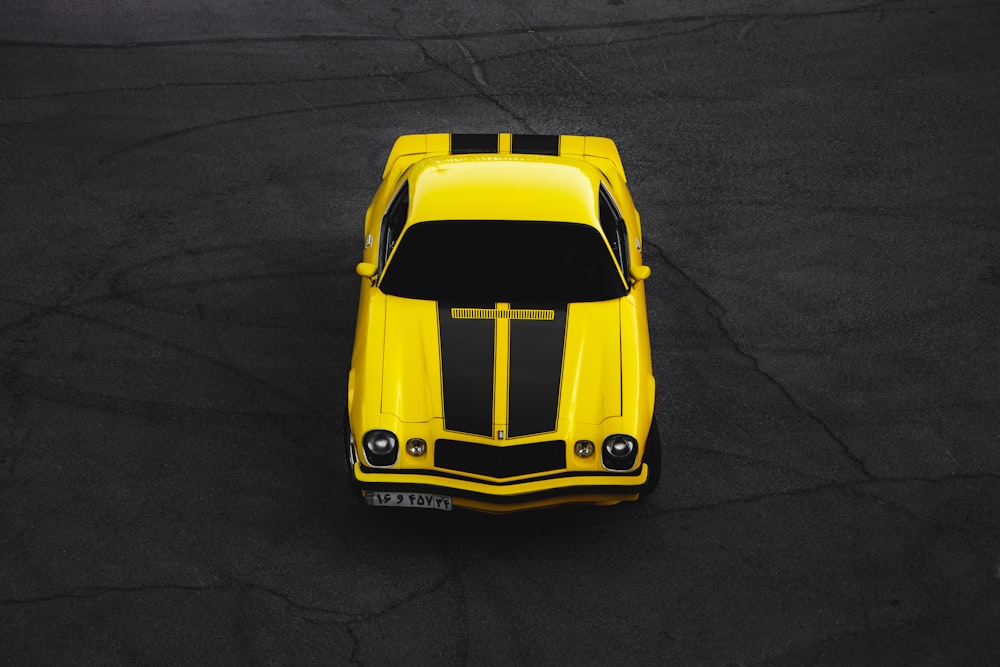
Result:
x=504 y=187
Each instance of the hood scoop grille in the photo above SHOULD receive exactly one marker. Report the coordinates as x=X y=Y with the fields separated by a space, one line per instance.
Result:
x=501 y=314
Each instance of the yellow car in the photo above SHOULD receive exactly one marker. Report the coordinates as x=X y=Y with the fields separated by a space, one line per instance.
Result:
x=501 y=358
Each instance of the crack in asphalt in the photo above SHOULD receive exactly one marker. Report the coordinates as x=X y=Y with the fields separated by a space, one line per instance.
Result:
x=454 y=570
x=163 y=85
x=475 y=64
x=355 y=645
x=118 y=289
x=226 y=586
x=19 y=383
x=849 y=634
x=550 y=49
x=111 y=156
x=150 y=409
x=310 y=410
x=16 y=435
x=139 y=297
x=755 y=460
x=88 y=593
x=856 y=485
x=741 y=18
x=356 y=633
x=342 y=617
x=717 y=311
x=477 y=71
x=479 y=83
x=940 y=530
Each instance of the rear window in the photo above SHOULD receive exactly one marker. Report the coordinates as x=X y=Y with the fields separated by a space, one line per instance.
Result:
x=486 y=261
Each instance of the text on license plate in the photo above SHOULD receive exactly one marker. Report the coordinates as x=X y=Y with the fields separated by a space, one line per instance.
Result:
x=396 y=499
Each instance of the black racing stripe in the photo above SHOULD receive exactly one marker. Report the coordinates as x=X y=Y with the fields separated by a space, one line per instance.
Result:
x=475 y=143
x=467 y=371
x=536 y=354
x=536 y=144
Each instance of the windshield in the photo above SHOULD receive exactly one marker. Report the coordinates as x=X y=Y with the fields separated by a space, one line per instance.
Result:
x=502 y=261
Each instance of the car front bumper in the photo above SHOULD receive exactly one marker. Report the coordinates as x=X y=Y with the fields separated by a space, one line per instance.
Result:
x=508 y=496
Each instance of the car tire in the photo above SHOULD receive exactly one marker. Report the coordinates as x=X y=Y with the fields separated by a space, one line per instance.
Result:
x=352 y=483
x=653 y=459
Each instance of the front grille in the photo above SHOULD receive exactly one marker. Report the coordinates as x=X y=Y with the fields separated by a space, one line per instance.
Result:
x=500 y=462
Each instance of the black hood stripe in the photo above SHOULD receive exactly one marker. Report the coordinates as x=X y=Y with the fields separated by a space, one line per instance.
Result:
x=536 y=359
x=467 y=353
x=474 y=143
x=537 y=144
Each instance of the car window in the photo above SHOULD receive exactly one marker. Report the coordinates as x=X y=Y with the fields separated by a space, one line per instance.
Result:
x=614 y=229
x=486 y=261
x=392 y=224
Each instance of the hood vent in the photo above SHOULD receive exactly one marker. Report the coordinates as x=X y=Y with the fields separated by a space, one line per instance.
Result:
x=501 y=314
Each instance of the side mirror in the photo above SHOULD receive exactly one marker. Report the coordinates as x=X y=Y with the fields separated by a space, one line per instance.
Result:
x=640 y=272
x=365 y=269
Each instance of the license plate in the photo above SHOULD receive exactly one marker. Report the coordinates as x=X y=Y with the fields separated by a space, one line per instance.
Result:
x=397 y=499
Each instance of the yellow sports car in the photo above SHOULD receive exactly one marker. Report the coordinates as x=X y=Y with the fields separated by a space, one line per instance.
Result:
x=501 y=359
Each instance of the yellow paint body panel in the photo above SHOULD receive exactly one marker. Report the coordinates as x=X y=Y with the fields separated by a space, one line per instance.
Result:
x=605 y=381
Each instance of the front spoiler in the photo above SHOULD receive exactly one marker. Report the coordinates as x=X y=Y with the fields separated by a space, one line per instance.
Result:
x=506 y=496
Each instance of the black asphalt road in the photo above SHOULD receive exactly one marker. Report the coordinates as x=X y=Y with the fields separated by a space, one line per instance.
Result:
x=183 y=190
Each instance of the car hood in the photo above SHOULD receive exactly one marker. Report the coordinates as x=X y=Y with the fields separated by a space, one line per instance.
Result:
x=518 y=369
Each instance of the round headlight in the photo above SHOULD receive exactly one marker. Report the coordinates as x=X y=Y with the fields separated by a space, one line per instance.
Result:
x=619 y=451
x=618 y=446
x=416 y=447
x=583 y=448
x=381 y=447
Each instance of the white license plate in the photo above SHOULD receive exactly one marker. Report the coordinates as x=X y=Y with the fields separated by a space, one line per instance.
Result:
x=407 y=499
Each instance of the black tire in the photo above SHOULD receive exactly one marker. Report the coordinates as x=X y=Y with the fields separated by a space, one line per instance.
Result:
x=653 y=457
x=352 y=482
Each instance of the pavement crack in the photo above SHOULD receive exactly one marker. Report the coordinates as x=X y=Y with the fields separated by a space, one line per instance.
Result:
x=355 y=632
x=164 y=85
x=548 y=48
x=477 y=71
x=856 y=485
x=220 y=586
x=482 y=89
x=717 y=311
x=340 y=615
x=453 y=573
x=480 y=83
x=747 y=27
x=309 y=410
x=446 y=35
x=88 y=593
x=355 y=645
x=117 y=153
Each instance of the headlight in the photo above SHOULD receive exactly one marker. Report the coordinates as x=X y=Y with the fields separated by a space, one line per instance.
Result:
x=584 y=449
x=416 y=446
x=619 y=451
x=381 y=448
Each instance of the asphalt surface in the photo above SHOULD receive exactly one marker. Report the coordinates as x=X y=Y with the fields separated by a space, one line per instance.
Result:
x=183 y=189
